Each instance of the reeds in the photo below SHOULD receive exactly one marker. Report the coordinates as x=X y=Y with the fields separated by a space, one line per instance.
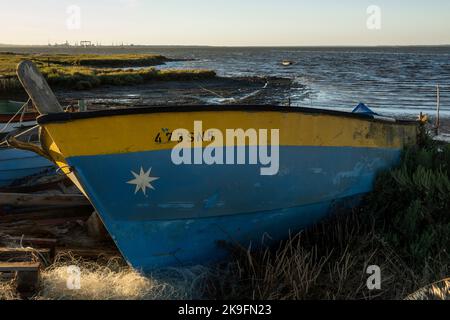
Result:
x=84 y=72
x=9 y=84
x=82 y=78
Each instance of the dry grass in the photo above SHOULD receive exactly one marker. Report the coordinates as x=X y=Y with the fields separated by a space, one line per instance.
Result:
x=436 y=291
x=7 y=290
x=114 y=280
x=328 y=261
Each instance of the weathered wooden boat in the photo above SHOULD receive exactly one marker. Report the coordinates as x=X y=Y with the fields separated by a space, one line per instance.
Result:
x=161 y=212
x=11 y=118
x=16 y=165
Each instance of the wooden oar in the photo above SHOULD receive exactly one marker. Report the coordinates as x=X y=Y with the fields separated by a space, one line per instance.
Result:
x=37 y=88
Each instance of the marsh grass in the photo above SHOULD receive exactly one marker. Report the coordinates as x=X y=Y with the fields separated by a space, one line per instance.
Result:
x=84 y=72
x=9 y=61
x=403 y=227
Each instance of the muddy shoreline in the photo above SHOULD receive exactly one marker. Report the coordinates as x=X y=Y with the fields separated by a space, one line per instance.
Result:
x=219 y=90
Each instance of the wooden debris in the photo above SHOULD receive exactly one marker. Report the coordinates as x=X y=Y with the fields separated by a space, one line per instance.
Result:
x=49 y=183
x=90 y=254
x=31 y=200
x=46 y=247
x=26 y=255
x=96 y=228
x=35 y=242
x=26 y=276
x=30 y=214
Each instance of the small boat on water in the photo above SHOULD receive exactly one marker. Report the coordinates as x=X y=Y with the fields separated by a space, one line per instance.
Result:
x=174 y=185
x=287 y=63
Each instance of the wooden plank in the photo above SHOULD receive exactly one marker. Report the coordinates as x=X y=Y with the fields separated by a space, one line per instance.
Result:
x=37 y=88
x=40 y=242
x=27 y=282
x=25 y=255
x=57 y=183
x=87 y=253
x=26 y=276
x=31 y=200
x=56 y=215
x=19 y=266
x=45 y=247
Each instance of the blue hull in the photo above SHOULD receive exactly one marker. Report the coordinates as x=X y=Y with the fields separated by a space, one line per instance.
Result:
x=194 y=209
x=18 y=164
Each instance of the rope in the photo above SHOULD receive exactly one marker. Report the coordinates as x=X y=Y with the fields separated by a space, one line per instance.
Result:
x=232 y=98
x=19 y=135
x=14 y=116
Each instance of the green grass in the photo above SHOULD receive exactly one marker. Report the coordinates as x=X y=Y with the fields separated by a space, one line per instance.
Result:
x=83 y=78
x=83 y=72
x=9 y=61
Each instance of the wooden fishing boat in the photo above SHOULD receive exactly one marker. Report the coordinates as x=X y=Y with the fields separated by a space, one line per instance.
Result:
x=11 y=118
x=17 y=165
x=163 y=212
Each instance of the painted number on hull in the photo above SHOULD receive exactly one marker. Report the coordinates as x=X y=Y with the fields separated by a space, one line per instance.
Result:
x=165 y=136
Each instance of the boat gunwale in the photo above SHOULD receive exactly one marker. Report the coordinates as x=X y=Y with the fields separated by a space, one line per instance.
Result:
x=69 y=116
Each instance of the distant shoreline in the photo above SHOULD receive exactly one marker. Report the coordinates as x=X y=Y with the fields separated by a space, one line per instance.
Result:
x=232 y=46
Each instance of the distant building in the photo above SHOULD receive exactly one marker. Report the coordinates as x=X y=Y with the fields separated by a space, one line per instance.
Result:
x=86 y=43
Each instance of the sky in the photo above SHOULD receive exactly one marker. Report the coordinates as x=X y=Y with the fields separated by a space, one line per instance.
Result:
x=227 y=22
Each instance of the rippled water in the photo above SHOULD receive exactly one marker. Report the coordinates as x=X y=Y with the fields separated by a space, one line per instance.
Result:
x=390 y=80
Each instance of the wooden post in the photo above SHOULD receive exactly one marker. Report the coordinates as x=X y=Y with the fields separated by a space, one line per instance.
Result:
x=82 y=105
x=27 y=276
x=96 y=228
x=438 y=107
x=37 y=88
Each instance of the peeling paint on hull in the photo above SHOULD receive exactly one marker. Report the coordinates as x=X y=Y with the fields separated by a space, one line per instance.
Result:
x=194 y=207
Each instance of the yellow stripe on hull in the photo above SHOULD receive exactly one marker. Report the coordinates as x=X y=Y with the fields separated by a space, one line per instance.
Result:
x=139 y=132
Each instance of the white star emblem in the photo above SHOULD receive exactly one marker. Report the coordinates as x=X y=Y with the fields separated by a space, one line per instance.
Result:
x=142 y=181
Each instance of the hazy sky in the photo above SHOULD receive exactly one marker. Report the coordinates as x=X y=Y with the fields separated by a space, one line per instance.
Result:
x=226 y=22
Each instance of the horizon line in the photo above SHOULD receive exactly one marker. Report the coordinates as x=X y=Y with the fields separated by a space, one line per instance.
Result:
x=233 y=46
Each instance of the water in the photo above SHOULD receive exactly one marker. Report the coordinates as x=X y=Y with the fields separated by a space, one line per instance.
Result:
x=390 y=81
x=399 y=81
